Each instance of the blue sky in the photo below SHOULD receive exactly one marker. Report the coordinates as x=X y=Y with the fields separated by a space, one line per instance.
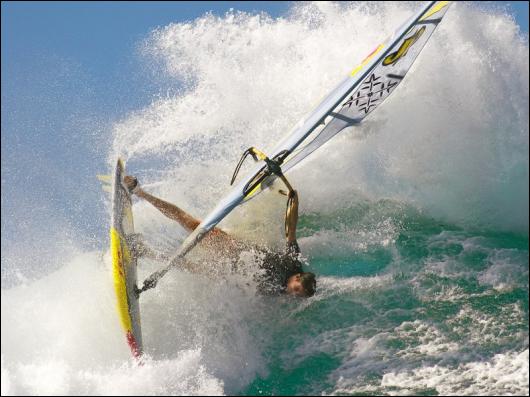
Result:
x=69 y=70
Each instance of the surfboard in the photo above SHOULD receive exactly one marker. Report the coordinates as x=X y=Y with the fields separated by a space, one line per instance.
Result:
x=124 y=262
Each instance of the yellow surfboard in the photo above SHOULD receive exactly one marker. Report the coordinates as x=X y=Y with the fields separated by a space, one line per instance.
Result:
x=124 y=262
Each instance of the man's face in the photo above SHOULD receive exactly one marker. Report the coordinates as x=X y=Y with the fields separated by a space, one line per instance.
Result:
x=294 y=286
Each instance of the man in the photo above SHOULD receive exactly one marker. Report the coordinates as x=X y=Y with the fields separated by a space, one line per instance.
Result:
x=281 y=272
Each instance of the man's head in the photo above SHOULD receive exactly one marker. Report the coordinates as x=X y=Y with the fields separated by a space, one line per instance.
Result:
x=302 y=284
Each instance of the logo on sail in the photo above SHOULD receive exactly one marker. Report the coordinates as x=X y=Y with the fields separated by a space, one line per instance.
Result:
x=372 y=92
x=393 y=58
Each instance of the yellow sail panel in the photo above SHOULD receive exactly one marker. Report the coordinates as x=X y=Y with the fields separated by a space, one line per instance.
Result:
x=435 y=8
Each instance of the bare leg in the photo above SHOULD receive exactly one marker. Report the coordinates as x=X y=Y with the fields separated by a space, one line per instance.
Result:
x=171 y=211
x=216 y=235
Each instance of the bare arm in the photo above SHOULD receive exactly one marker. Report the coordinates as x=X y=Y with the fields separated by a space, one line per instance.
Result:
x=291 y=216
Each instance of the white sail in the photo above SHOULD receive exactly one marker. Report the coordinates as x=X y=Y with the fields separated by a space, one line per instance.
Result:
x=366 y=87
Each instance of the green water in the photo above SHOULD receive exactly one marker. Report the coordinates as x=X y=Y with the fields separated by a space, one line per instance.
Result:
x=432 y=309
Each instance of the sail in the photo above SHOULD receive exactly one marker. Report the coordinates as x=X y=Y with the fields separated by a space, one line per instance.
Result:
x=379 y=83
x=357 y=95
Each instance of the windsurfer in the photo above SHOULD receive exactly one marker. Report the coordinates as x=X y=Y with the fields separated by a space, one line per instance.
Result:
x=282 y=272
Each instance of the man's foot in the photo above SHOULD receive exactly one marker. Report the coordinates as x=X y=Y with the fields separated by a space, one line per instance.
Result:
x=131 y=183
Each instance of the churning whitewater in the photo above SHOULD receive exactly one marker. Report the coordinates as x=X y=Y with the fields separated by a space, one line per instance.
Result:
x=415 y=222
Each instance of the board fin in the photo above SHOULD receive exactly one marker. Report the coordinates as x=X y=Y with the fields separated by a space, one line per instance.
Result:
x=106 y=181
x=104 y=178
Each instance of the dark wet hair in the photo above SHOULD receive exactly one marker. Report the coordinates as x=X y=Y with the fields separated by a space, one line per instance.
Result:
x=308 y=281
